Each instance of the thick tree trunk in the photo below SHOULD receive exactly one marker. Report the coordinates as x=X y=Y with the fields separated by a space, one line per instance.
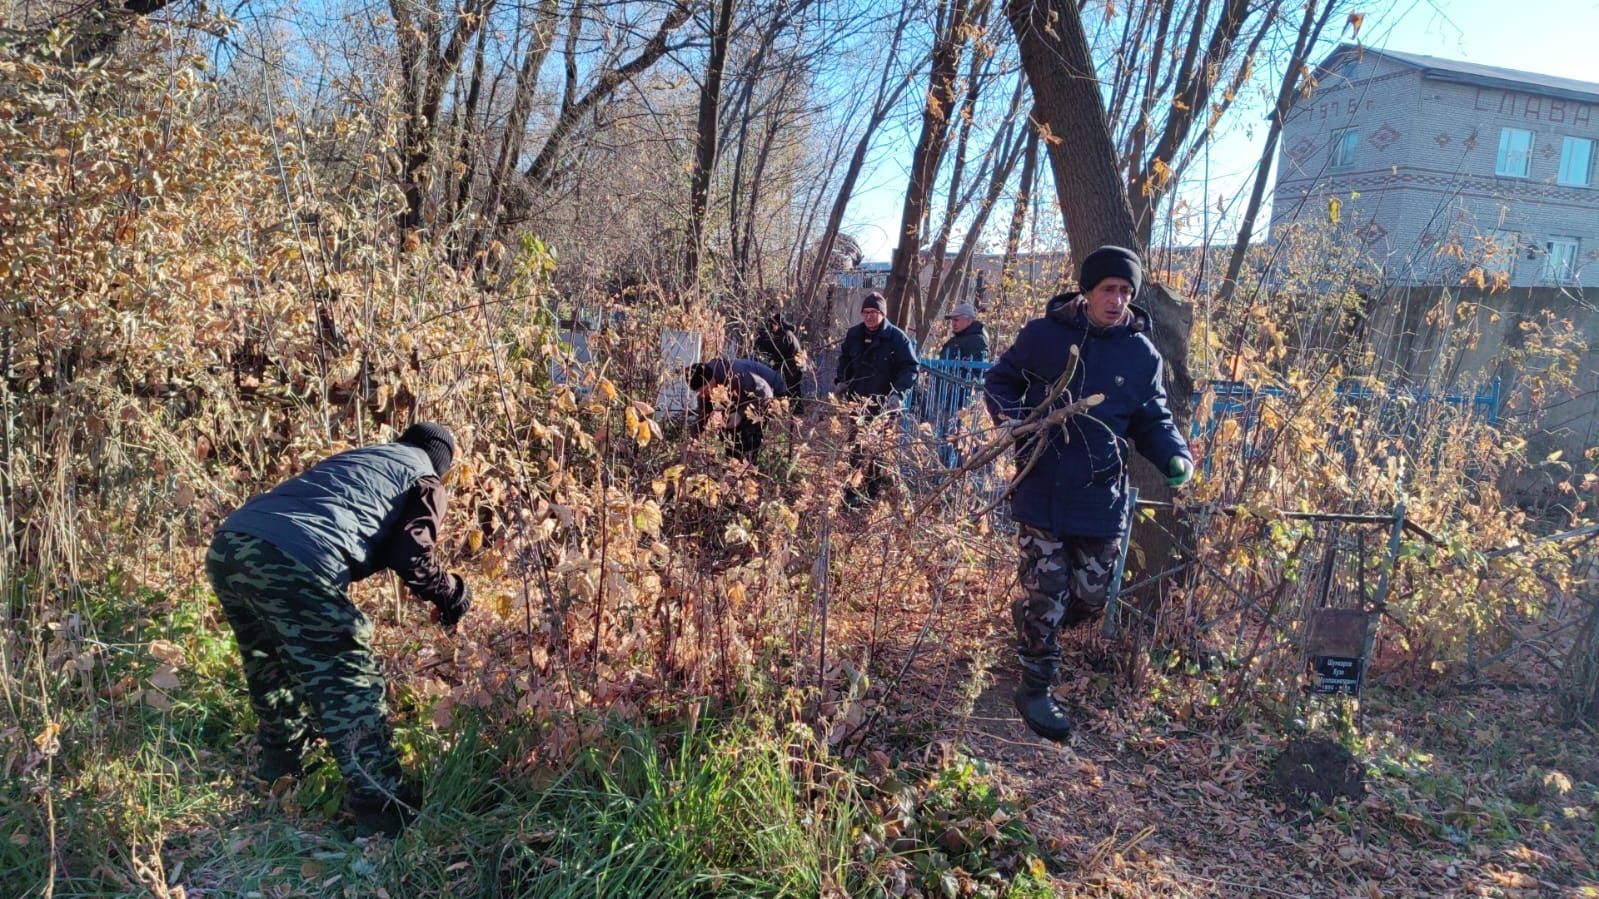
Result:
x=1071 y=115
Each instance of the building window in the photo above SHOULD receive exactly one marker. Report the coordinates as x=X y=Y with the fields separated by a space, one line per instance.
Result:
x=1344 y=142
x=1576 y=162
x=1560 y=263
x=1515 y=153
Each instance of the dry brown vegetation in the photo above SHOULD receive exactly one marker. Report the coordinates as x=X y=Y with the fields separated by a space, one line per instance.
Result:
x=205 y=293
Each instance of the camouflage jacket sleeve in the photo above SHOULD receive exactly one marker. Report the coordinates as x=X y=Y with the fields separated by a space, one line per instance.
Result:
x=410 y=550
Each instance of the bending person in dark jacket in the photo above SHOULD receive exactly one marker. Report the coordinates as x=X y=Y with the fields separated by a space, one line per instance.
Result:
x=281 y=565
x=750 y=387
x=1071 y=507
x=876 y=366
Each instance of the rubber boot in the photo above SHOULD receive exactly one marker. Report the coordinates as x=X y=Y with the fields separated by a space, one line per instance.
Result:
x=278 y=762
x=1038 y=708
x=281 y=757
x=384 y=816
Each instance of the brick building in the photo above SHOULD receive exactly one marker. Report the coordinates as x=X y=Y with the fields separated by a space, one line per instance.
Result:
x=1434 y=166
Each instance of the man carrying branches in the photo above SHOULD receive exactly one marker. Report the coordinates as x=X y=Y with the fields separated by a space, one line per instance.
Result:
x=1090 y=351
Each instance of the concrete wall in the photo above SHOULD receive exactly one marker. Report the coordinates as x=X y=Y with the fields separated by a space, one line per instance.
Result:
x=1411 y=325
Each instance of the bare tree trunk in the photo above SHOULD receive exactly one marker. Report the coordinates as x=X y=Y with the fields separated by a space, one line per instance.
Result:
x=885 y=101
x=956 y=197
x=1153 y=178
x=1018 y=215
x=1071 y=115
x=705 y=141
x=466 y=152
x=944 y=292
x=540 y=39
x=744 y=246
x=1310 y=28
x=426 y=71
x=953 y=32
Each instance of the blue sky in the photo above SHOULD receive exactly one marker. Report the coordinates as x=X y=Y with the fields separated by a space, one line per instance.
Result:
x=1554 y=37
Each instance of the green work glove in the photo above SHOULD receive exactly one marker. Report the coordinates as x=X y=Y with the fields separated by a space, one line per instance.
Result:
x=1179 y=471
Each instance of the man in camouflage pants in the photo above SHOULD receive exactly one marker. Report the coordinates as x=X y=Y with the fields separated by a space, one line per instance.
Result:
x=1063 y=583
x=1070 y=504
x=281 y=565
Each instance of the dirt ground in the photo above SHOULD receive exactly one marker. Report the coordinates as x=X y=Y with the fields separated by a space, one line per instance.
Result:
x=1471 y=795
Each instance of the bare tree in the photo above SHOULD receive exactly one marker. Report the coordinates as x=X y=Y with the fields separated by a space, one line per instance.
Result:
x=545 y=166
x=1196 y=78
x=1295 y=71
x=889 y=90
x=706 y=132
x=953 y=30
x=429 y=60
x=1018 y=215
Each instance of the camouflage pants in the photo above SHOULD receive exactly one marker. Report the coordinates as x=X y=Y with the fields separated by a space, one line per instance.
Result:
x=1063 y=582
x=305 y=644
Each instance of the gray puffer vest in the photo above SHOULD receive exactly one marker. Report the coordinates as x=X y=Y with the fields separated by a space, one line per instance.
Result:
x=338 y=516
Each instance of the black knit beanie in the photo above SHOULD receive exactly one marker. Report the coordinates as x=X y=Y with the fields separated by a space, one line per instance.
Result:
x=435 y=440
x=1110 y=262
x=874 y=300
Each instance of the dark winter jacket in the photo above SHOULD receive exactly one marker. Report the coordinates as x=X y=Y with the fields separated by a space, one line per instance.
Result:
x=356 y=513
x=780 y=343
x=748 y=382
x=746 y=378
x=1078 y=487
x=876 y=363
x=970 y=345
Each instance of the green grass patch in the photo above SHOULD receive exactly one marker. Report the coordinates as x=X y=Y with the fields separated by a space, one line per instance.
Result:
x=128 y=772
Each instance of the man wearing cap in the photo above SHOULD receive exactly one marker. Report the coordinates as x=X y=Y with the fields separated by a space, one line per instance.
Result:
x=1071 y=506
x=281 y=565
x=876 y=366
x=967 y=343
x=968 y=340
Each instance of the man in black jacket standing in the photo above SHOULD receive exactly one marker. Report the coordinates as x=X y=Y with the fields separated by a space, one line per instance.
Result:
x=877 y=368
x=281 y=565
x=780 y=342
x=968 y=339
